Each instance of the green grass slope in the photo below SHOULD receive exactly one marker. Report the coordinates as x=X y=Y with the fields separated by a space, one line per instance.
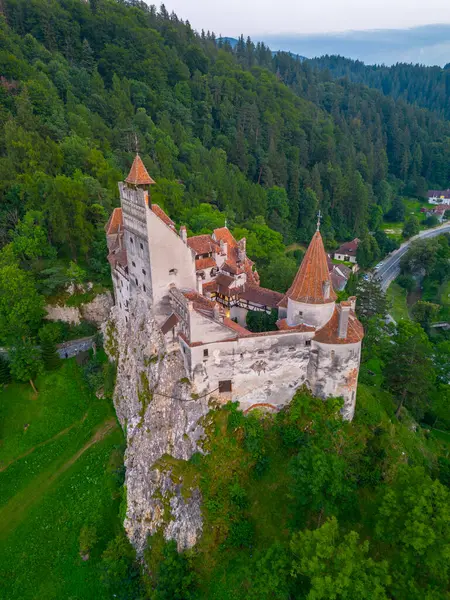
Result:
x=60 y=470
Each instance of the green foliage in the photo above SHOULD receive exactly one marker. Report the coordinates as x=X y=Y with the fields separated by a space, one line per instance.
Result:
x=174 y=579
x=279 y=274
x=21 y=307
x=261 y=321
x=371 y=299
x=5 y=373
x=50 y=356
x=425 y=313
x=25 y=360
x=338 y=566
x=414 y=517
x=398 y=211
x=88 y=538
x=120 y=572
x=411 y=227
x=409 y=367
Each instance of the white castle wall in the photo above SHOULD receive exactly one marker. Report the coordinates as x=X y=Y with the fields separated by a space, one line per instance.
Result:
x=263 y=369
x=333 y=371
x=312 y=314
x=172 y=261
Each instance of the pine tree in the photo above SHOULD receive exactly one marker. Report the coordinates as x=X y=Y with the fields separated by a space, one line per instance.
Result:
x=49 y=352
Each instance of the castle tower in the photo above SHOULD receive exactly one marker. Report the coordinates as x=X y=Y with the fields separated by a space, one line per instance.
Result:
x=134 y=192
x=311 y=298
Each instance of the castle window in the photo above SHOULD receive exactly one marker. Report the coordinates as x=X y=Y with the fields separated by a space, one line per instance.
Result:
x=143 y=272
x=292 y=348
x=145 y=289
x=137 y=282
x=131 y=240
x=133 y=263
x=307 y=342
x=224 y=386
x=142 y=246
x=260 y=351
x=300 y=313
x=120 y=304
x=173 y=271
x=205 y=353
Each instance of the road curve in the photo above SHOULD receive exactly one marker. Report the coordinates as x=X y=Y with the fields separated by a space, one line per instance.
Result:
x=390 y=266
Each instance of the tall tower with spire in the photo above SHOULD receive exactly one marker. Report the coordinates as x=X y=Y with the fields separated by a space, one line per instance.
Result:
x=335 y=345
x=157 y=256
x=311 y=298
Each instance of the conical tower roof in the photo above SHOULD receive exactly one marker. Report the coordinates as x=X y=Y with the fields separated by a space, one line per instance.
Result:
x=138 y=174
x=308 y=285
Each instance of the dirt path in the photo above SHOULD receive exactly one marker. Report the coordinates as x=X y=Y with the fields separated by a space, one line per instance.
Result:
x=44 y=443
x=14 y=511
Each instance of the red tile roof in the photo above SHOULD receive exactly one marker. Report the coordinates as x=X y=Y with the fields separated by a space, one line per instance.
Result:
x=235 y=326
x=260 y=295
x=329 y=332
x=162 y=215
x=224 y=234
x=138 y=174
x=205 y=263
x=233 y=264
x=282 y=325
x=115 y=222
x=349 y=248
x=313 y=272
x=203 y=244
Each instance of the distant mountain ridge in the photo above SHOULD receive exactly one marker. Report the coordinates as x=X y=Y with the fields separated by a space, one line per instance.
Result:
x=427 y=45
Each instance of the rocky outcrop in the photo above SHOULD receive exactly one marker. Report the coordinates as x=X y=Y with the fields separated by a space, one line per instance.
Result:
x=162 y=421
x=97 y=311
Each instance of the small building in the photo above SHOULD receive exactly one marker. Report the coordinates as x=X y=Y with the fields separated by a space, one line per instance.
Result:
x=438 y=211
x=438 y=196
x=347 y=251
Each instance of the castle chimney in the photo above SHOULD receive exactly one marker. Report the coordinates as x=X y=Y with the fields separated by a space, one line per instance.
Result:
x=352 y=301
x=200 y=285
x=242 y=250
x=183 y=233
x=343 y=319
x=326 y=289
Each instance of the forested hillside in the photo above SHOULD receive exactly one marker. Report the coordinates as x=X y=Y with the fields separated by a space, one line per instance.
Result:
x=295 y=505
x=428 y=87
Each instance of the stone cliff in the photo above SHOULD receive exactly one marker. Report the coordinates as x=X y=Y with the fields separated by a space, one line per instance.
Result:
x=162 y=420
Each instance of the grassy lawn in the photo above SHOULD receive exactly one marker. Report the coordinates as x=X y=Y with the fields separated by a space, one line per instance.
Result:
x=444 y=294
x=60 y=458
x=397 y=298
x=413 y=206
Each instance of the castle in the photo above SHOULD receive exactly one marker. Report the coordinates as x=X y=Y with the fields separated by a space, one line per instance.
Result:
x=202 y=287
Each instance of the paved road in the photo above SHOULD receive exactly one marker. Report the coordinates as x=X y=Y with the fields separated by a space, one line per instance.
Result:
x=74 y=347
x=390 y=266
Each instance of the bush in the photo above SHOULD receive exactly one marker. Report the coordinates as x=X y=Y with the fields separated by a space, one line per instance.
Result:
x=88 y=538
x=241 y=534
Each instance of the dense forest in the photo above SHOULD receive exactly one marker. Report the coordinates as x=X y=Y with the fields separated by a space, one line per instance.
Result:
x=428 y=87
x=297 y=505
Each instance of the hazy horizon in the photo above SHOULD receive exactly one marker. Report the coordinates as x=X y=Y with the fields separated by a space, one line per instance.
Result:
x=258 y=18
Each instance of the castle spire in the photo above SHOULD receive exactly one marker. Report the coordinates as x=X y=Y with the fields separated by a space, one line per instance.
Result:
x=138 y=174
x=312 y=284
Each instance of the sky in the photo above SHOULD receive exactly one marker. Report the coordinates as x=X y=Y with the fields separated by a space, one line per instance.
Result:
x=259 y=17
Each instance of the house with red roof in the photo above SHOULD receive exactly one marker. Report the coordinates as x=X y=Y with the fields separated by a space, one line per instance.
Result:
x=200 y=289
